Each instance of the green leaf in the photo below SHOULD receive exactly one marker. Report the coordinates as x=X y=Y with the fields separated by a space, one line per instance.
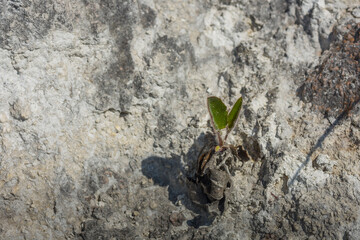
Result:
x=218 y=113
x=234 y=114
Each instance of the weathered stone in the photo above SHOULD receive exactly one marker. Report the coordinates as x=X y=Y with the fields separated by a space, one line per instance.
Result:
x=20 y=110
x=176 y=219
x=103 y=115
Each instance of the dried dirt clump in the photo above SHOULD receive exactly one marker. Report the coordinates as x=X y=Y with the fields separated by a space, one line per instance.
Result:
x=334 y=85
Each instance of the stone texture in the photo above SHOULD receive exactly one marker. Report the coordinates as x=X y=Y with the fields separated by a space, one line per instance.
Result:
x=334 y=86
x=102 y=116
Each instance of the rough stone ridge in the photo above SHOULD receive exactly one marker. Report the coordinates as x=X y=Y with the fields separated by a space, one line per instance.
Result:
x=103 y=115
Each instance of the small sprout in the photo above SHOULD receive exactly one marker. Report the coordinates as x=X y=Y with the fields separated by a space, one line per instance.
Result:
x=222 y=118
x=217 y=148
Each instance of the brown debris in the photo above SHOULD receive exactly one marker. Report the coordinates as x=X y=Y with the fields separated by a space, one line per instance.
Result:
x=177 y=219
x=334 y=85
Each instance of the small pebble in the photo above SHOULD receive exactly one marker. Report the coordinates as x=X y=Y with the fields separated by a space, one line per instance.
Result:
x=135 y=213
x=20 y=110
x=153 y=205
x=143 y=182
x=3 y=118
x=356 y=12
x=176 y=219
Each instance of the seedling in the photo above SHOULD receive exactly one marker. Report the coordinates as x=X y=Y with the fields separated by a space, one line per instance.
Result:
x=222 y=118
x=217 y=163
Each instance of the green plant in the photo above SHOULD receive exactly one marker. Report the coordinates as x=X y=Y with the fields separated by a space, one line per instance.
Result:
x=222 y=118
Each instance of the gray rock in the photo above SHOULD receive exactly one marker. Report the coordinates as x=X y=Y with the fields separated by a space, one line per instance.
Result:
x=103 y=115
x=20 y=110
x=323 y=162
x=356 y=12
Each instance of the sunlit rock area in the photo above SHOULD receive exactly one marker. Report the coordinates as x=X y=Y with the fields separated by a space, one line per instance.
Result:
x=103 y=117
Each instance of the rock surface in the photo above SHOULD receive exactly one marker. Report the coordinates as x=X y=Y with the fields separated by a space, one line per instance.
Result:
x=102 y=116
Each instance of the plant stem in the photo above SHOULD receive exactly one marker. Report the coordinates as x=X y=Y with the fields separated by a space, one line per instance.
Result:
x=227 y=134
x=221 y=143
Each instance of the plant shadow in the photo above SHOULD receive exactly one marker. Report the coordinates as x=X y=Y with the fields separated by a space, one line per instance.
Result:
x=171 y=173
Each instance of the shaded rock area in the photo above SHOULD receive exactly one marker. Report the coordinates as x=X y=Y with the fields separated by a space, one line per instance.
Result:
x=103 y=116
